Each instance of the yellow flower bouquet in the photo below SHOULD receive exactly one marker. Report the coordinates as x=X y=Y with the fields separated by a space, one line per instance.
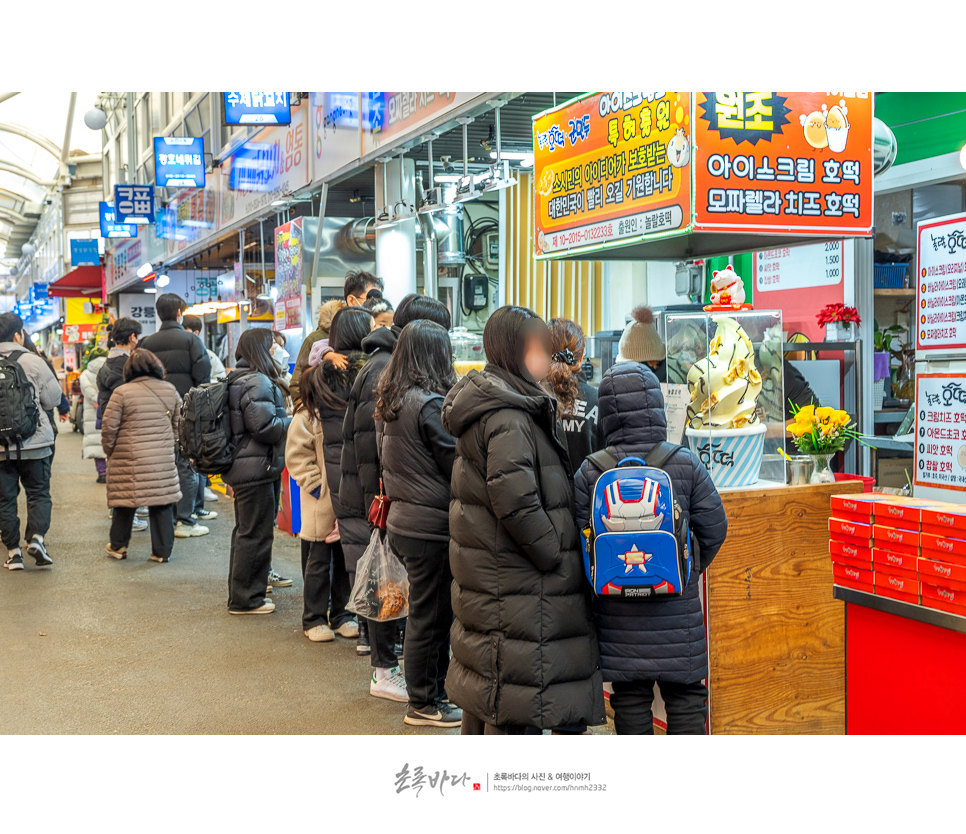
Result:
x=822 y=430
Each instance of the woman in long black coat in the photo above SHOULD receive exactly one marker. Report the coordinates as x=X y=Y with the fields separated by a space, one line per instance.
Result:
x=525 y=657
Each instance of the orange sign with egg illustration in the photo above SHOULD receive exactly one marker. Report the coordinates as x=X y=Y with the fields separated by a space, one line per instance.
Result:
x=780 y=162
x=610 y=168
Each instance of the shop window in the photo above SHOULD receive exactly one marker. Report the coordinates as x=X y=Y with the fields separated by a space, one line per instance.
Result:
x=936 y=201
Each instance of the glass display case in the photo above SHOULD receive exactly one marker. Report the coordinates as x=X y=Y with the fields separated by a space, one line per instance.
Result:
x=468 y=352
x=725 y=370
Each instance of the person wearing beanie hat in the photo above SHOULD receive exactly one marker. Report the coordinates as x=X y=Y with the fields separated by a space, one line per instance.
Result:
x=640 y=342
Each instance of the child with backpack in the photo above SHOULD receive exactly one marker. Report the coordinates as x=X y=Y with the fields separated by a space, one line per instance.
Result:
x=650 y=635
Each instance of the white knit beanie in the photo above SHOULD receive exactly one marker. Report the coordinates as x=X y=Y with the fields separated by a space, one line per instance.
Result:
x=640 y=341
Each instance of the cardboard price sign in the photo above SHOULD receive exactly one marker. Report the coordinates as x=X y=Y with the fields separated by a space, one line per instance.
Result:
x=780 y=162
x=610 y=167
x=941 y=285
x=941 y=431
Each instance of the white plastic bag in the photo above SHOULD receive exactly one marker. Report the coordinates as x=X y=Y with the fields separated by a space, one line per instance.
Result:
x=381 y=591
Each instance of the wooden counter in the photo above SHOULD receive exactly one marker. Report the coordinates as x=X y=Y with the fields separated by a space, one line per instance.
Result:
x=776 y=635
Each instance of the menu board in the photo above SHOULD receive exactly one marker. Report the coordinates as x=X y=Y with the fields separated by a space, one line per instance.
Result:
x=941 y=285
x=941 y=431
x=609 y=168
x=784 y=161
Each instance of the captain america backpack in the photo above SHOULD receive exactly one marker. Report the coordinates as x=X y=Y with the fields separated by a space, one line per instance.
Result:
x=637 y=543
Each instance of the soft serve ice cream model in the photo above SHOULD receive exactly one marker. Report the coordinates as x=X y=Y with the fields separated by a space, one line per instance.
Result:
x=723 y=427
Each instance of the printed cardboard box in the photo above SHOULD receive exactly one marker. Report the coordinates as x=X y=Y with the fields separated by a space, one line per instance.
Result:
x=898 y=564
x=951 y=596
x=896 y=541
x=851 y=577
x=910 y=592
x=944 y=547
x=939 y=573
x=902 y=513
x=945 y=520
x=942 y=605
x=856 y=507
x=850 y=554
x=850 y=531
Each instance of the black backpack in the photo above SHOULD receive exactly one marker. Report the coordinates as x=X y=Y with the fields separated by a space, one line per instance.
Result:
x=204 y=434
x=19 y=415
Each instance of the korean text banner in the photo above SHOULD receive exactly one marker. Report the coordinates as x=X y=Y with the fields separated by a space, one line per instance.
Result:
x=267 y=108
x=179 y=161
x=134 y=204
x=609 y=168
x=783 y=162
x=941 y=286
x=110 y=227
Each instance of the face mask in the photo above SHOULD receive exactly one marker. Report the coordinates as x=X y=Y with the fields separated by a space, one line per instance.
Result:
x=280 y=357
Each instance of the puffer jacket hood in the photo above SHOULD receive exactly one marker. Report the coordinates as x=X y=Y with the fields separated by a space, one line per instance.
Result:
x=327 y=312
x=478 y=394
x=382 y=338
x=630 y=406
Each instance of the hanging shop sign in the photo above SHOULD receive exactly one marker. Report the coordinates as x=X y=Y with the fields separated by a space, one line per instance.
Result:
x=288 y=273
x=388 y=116
x=179 y=161
x=134 y=204
x=941 y=431
x=110 y=227
x=778 y=161
x=190 y=216
x=335 y=131
x=79 y=332
x=684 y=175
x=84 y=253
x=610 y=167
x=140 y=307
x=941 y=285
x=257 y=108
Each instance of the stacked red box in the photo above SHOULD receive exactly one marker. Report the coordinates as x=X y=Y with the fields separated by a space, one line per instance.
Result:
x=942 y=565
x=895 y=551
x=850 y=540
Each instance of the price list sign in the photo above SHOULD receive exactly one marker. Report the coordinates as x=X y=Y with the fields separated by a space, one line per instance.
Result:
x=941 y=285
x=941 y=430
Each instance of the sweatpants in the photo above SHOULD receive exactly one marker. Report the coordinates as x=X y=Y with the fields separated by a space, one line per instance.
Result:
x=686 y=705
x=473 y=726
x=188 y=480
x=160 y=520
x=251 y=546
x=325 y=585
x=430 y=617
x=34 y=474
x=100 y=464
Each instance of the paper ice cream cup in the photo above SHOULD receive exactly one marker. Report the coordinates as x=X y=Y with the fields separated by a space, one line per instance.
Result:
x=837 y=137
x=731 y=456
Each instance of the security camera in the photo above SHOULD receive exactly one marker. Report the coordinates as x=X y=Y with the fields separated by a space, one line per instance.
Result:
x=95 y=118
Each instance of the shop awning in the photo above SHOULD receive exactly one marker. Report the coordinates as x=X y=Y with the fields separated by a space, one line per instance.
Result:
x=82 y=281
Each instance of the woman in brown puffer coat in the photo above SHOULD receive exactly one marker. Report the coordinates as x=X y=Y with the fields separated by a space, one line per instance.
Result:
x=139 y=428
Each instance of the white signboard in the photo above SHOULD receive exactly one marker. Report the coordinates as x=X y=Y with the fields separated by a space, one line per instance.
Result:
x=941 y=431
x=140 y=307
x=335 y=131
x=941 y=286
x=798 y=267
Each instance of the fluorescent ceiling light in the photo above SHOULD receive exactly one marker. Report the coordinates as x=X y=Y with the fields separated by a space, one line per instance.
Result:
x=150 y=289
x=512 y=154
x=446 y=177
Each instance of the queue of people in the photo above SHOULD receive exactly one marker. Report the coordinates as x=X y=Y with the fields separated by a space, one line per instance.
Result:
x=489 y=478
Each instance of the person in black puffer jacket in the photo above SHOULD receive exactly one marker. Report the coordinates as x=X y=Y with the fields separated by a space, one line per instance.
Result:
x=417 y=465
x=360 y=460
x=525 y=656
x=124 y=338
x=256 y=403
x=658 y=640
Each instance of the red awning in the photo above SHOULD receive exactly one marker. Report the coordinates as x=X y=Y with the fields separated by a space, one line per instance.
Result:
x=80 y=282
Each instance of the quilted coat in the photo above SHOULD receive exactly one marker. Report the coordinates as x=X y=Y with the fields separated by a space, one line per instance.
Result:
x=658 y=638
x=91 y=447
x=258 y=425
x=339 y=381
x=523 y=643
x=138 y=431
x=304 y=459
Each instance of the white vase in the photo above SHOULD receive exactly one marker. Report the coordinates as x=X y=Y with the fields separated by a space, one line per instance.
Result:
x=838 y=331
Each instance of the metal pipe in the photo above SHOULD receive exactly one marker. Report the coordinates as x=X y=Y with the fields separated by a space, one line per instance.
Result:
x=36 y=138
x=498 y=148
x=430 y=268
x=5 y=96
x=65 y=148
x=26 y=173
x=261 y=249
x=466 y=152
x=429 y=145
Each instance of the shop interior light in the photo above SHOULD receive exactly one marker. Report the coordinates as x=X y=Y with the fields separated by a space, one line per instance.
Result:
x=273 y=292
x=144 y=270
x=163 y=281
x=513 y=155
x=447 y=178
x=151 y=290
x=501 y=180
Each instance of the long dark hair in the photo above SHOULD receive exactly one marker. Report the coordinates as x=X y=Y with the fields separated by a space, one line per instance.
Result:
x=349 y=327
x=422 y=358
x=567 y=352
x=314 y=394
x=505 y=338
x=254 y=347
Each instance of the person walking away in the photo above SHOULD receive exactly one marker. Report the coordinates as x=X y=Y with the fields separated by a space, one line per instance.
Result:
x=640 y=342
x=186 y=364
x=525 y=655
x=63 y=407
x=256 y=401
x=27 y=463
x=360 y=467
x=659 y=640
x=325 y=583
x=417 y=455
x=194 y=324
x=576 y=400
x=139 y=433
x=91 y=446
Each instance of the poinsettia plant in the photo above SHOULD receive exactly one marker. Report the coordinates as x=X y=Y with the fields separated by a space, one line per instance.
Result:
x=838 y=312
x=822 y=430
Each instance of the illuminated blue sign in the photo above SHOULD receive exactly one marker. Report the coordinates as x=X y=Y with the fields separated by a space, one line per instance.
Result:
x=255 y=167
x=134 y=203
x=179 y=161
x=257 y=109
x=110 y=227
x=84 y=253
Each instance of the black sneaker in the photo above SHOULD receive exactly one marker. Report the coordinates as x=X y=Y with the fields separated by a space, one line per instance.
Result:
x=363 y=647
x=14 y=561
x=39 y=552
x=440 y=715
x=277 y=580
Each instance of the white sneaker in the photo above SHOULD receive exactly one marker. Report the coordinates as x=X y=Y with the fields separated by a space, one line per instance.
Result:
x=320 y=634
x=139 y=525
x=392 y=687
x=210 y=494
x=349 y=629
x=266 y=607
x=187 y=531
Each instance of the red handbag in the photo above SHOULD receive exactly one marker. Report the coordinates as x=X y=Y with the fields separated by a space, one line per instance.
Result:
x=379 y=509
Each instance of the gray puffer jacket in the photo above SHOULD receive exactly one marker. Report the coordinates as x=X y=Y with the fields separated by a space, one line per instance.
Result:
x=91 y=447
x=47 y=394
x=660 y=638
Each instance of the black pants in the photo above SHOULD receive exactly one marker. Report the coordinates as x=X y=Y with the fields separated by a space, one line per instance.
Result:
x=430 y=617
x=200 y=492
x=35 y=477
x=473 y=726
x=161 y=520
x=325 y=585
x=686 y=705
x=188 y=480
x=251 y=546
